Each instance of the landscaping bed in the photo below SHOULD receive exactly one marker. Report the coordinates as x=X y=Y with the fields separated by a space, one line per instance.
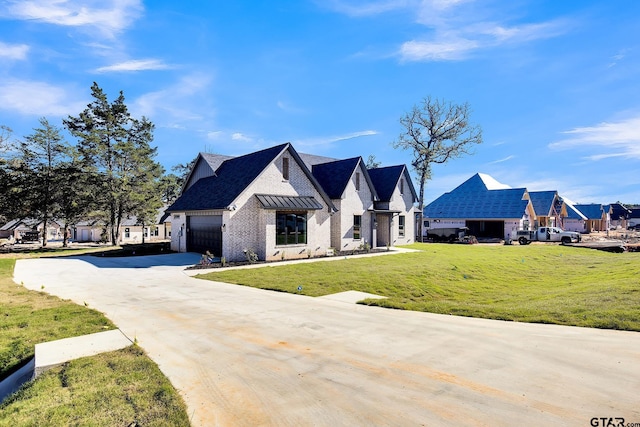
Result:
x=219 y=264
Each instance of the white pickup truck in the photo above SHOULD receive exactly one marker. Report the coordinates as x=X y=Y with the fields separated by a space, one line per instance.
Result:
x=547 y=234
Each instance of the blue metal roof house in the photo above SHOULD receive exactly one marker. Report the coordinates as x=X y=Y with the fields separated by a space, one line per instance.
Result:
x=597 y=216
x=488 y=208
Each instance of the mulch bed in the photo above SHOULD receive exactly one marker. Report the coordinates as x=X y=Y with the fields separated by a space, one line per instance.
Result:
x=243 y=263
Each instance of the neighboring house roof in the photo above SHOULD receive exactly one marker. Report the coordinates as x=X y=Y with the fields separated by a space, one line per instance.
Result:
x=385 y=181
x=311 y=160
x=334 y=176
x=11 y=225
x=572 y=211
x=619 y=211
x=26 y=223
x=480 y=197
x=232 y=177
x=542 y=202
x=590 y=211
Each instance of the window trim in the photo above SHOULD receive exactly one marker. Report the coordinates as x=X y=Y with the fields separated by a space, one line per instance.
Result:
x=401 y=225
x=357 y=227
x=285 y=168
x=297 y=233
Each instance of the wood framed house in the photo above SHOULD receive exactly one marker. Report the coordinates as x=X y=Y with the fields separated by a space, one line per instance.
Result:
x=486 y=207
x=549 y=207
x=597 y=216
x=284 y=205
x=619 y=215
x=575 y=220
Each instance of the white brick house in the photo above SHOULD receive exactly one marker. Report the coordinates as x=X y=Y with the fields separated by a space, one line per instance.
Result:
x=271 y=203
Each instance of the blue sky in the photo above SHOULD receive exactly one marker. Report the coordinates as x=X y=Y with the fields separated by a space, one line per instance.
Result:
x=553 y=84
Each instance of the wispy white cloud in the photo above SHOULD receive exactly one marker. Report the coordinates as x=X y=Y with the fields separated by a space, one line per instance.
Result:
x=365 y=8
x=13 y=51
x=619 y=139
x=333 y=139
x=506 y=159
x=454 y=29
x=237 y=136
x=436 y=50
x=182 y=101
x=134 y=65
x=108 y=16
x=35 y=98
x=451 y=43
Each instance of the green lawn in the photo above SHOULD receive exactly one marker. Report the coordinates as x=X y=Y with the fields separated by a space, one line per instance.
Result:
x=535 y=283
x=111 y=389
x=30 y=317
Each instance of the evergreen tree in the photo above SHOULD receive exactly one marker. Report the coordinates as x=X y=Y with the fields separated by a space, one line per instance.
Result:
x=116 y=149
x=37 y=167
x=76 y=198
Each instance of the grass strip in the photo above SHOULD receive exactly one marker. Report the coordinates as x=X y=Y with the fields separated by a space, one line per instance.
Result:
x=29 y=318
x=110 y=389
x=535 y=283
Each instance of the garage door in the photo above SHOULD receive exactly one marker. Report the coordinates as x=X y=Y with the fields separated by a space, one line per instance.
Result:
x=491 y=229
x=204 y=233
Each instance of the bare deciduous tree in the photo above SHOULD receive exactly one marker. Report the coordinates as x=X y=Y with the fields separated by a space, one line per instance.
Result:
x=436 y=131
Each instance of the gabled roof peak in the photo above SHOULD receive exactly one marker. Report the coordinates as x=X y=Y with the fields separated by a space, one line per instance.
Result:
x=491 y=183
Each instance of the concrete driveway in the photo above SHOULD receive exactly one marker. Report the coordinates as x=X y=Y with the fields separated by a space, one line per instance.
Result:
x=247 y=357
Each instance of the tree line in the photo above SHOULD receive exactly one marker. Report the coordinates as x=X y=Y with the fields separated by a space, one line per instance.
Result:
x=108 y=175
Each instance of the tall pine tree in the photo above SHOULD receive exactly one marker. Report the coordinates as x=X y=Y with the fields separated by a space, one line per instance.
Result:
x=116 y=148
x=37 y=167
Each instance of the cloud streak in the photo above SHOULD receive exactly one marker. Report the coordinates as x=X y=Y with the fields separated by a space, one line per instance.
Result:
x=35 y=98
x=13 y=51
x=108 y=16
x=619 y=139
x=454 y=29
x=134 y=65
x=333 y=139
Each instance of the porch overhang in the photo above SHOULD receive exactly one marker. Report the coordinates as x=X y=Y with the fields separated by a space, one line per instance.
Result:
x=293 y=203
x=385 y=211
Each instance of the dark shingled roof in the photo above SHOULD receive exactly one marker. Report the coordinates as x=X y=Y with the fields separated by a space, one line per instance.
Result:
x=334 y=176
x=542 y=201
x=386 y=179
x=231 y=179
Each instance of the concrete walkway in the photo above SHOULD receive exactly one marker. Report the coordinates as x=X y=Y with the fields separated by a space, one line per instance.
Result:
x=246 y=357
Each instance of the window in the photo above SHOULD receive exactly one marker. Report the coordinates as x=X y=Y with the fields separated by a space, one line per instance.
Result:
x=357 y=226
x=146 y=232
x=401 y=185
x=127 y=234
x=357 y=181
x=401 y=226
x=426 y=224
x=291 y=228
x=285 y=168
